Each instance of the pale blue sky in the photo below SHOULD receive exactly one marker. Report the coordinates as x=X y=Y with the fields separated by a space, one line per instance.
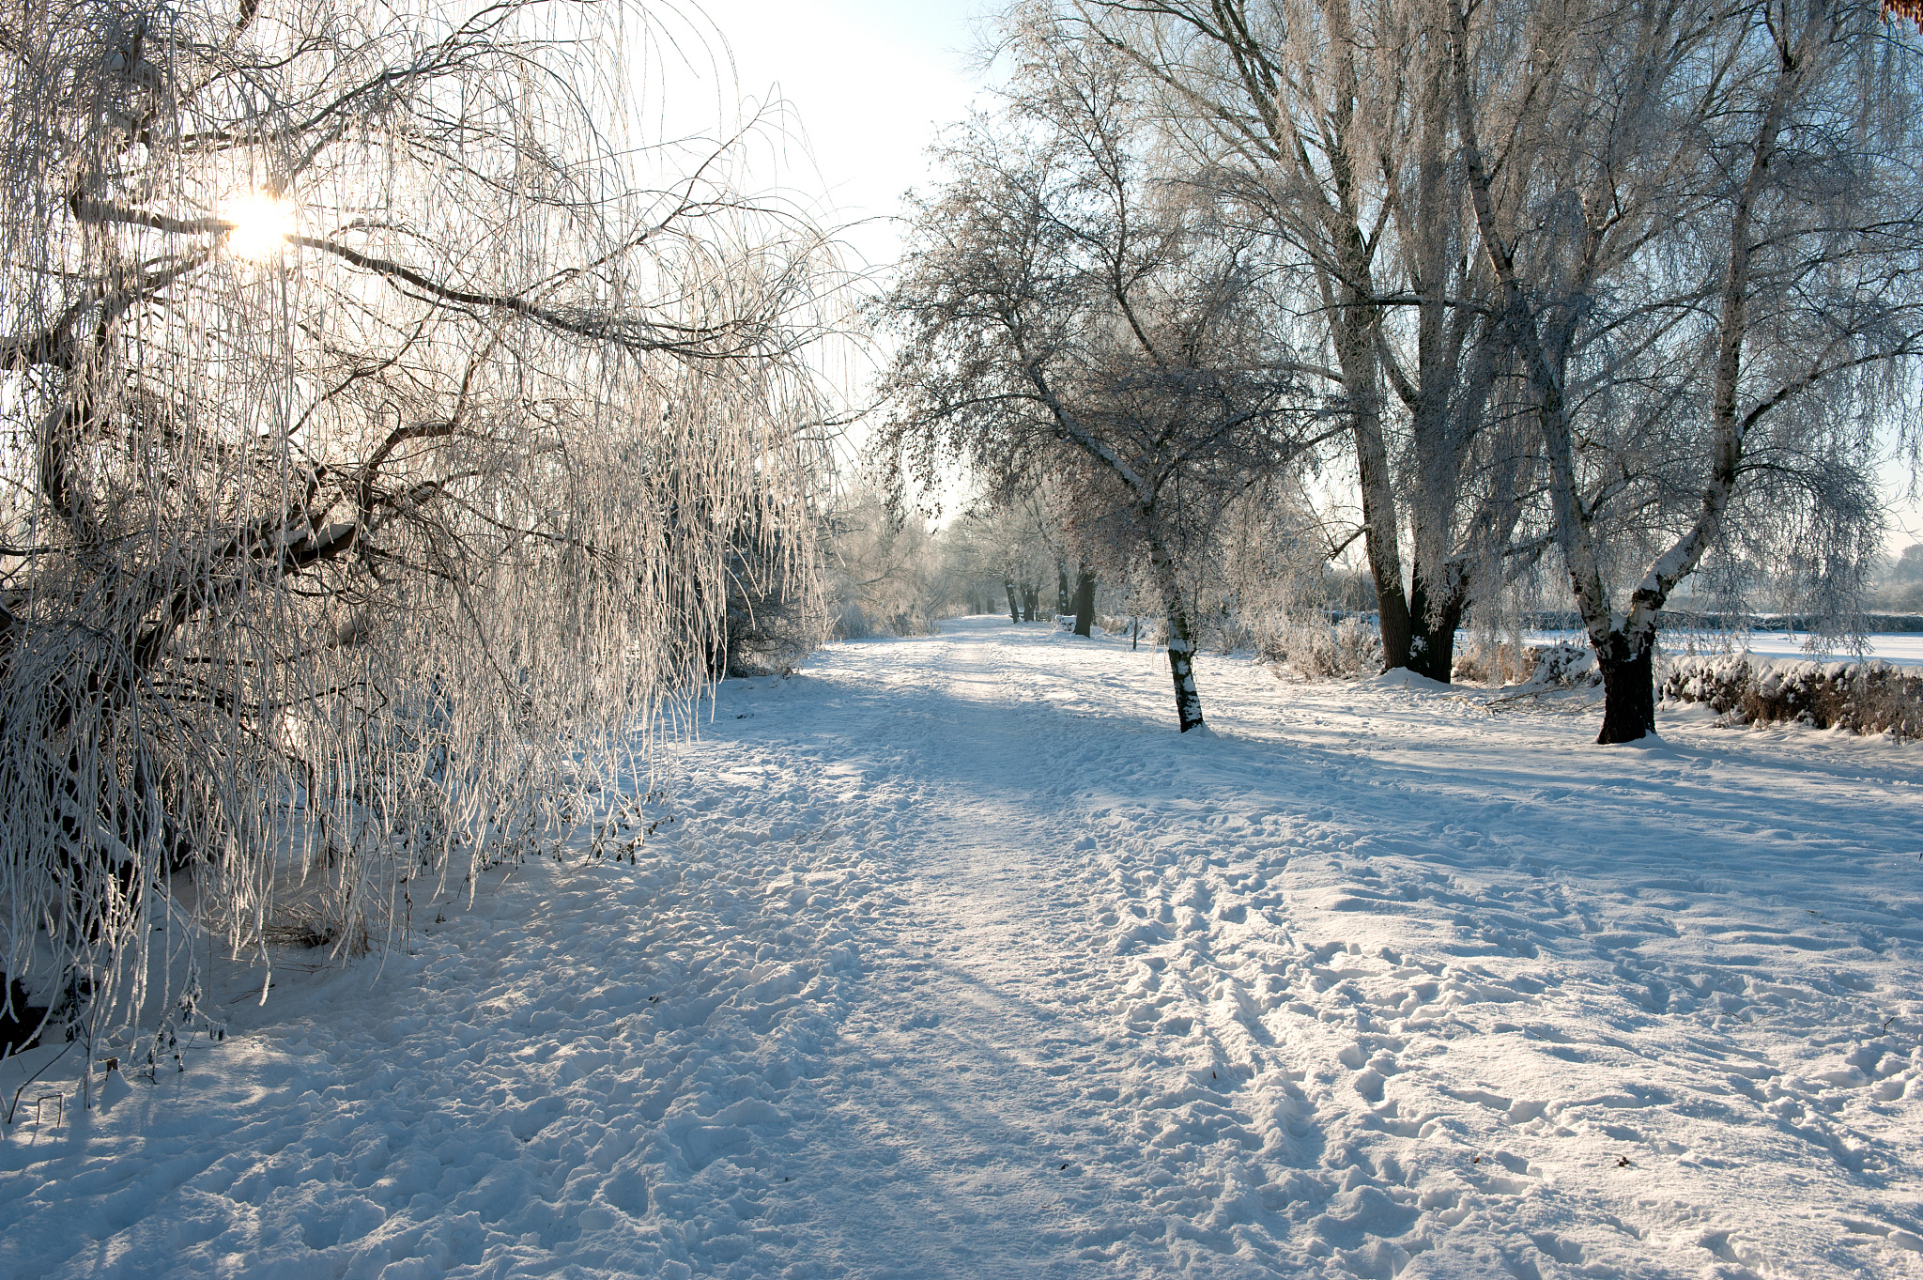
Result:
x=871 y=82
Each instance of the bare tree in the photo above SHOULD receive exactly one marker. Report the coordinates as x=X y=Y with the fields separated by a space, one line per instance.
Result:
x=1709 y=274
x=1331 y=122
x=887 y=572
x=378 y=419
x=1525 y=227
x=1063 y=314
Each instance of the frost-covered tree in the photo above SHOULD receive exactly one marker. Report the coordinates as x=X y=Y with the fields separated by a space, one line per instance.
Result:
x=1704 y=226
x=1067 y=314
x=1637 y=278
x=1330 y=122
x=379 y=416
x=886 y=572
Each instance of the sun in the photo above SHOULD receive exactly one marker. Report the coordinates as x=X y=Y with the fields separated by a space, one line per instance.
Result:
x=262 y=224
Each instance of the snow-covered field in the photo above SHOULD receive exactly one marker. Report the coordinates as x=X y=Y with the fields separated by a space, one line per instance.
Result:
x=1903 y=648
x=955 y=960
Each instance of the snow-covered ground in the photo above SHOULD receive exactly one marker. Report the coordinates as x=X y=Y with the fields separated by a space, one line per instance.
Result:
x=955 y=960
x=1902 y=648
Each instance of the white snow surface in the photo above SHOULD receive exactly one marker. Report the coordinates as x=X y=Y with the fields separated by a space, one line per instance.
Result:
x=956 y=960
x=1899 y=648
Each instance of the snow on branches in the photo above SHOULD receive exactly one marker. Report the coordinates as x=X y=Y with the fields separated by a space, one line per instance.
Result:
x=382 y=426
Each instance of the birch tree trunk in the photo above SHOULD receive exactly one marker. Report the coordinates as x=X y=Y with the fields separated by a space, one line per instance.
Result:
x=1181 y=641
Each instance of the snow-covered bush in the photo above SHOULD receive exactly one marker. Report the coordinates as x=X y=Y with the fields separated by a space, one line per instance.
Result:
x=1560 y=666
x=885 y=574
x=1317 y=648
x=1527 y=669
x=1498 y=662
x=1153 y=630
x=775 y=614
x=1868 y=697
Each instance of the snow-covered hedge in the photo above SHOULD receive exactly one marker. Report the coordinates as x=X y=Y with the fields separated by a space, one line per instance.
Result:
x=1868 y=697
x=1563 y=666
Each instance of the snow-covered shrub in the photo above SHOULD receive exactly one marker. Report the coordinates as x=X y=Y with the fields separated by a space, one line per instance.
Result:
x=1870 y=697
x=1153 y=630
x=1560 y=666
x=1317 y=648
x=852 y=618
x=1230 y=632
x=775 y=615
x=1495 y=662
x=772 y=634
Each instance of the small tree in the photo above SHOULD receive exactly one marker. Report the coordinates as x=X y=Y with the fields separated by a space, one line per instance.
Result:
x=1063 y=314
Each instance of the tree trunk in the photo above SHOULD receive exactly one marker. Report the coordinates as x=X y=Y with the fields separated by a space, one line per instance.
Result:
x=1181 y=665
x=1181 y=642
x=1432 y=644
x=1062 y=602
x=1014 y=606
x=1084 y=601
x=1379 y=541
x=1629 y=687
x=1031 y=600
x=1354 y=324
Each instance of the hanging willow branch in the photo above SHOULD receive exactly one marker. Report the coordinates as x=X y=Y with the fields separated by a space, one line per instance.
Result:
x=375 y=429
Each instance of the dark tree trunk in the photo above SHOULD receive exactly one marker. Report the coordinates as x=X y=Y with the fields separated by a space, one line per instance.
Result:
x=1432 y=643
x=1392 y=604
x=1084 y=601
x=1629 y=687
x=1355 y=332
x=1031 y=600
x=1062 y=604
x=1014 y=606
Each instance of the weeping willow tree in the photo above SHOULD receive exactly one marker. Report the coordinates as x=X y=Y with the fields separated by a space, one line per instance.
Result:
x=373 y=413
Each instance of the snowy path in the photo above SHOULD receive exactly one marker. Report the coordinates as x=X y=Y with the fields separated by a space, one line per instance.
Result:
x=955 y=960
